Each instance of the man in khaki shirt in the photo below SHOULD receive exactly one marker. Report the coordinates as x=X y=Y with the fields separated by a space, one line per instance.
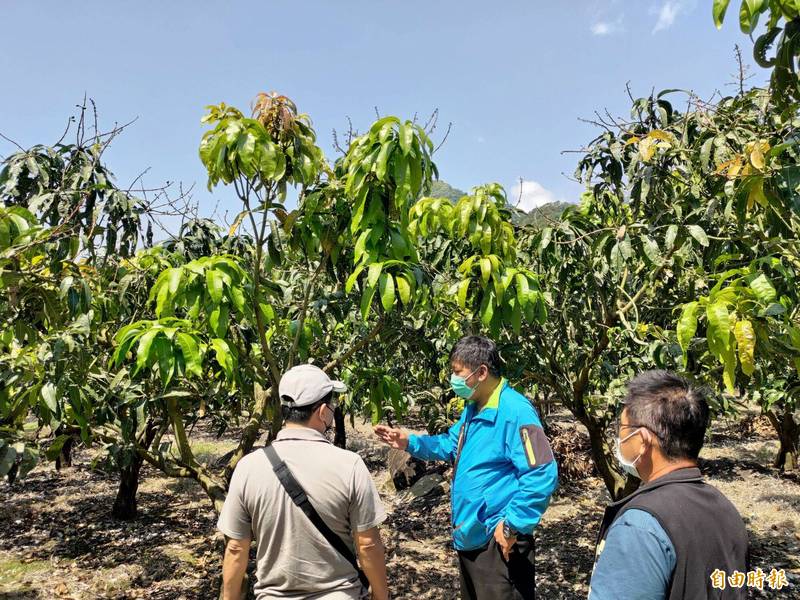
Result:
x=294 y=560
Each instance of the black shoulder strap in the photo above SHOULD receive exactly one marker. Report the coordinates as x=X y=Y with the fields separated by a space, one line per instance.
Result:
x=462 y=438
x=299 y=497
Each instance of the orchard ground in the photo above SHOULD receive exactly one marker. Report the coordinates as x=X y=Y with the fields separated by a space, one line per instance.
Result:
x=58 y=540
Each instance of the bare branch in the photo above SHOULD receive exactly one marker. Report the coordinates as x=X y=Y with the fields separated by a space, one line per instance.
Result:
x=13 y=142
x=444 y=139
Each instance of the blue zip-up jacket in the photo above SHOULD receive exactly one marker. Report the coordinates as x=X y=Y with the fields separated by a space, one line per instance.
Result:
x=506 y=469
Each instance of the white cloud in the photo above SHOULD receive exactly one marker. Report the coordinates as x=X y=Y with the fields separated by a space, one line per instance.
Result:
x=669 y=11
x=527 y=195
x=602 y=28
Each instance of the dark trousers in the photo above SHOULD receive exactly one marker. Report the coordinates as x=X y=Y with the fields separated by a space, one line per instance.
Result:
x=485 y=574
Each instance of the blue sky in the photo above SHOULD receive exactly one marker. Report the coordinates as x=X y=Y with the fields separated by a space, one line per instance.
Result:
x=513 y=77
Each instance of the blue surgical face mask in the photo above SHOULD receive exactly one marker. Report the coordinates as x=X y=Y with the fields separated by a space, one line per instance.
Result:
x=460 y=387
x=628 y=466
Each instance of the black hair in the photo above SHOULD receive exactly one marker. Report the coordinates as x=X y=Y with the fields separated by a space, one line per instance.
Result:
x=672 y=408
x=301 y=414
x=473 y=351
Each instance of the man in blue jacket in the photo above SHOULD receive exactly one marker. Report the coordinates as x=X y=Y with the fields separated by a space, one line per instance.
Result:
x=503 y=474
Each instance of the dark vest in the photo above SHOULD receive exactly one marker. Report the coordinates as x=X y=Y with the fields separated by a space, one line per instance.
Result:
x=704 y=527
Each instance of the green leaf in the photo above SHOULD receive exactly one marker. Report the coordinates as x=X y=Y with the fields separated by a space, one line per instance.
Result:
x=143 y=349
x=486 y=270
x=687 y=327
x=374 y=273
x=516 y=318
x=403 y=289
x=267 y=312
x=729 y=369
x=223 y=356
x=773 y=310
x=48 y=393
x=746 y=343
x=523 y=289
x=361 y=243
x=386 y=287
x=547 y=234
x=191 y=353
x=749 y=13
x=705 y=154
x=358 y=212
x=166 y=359
x=164 y=304
x=763 y=289
x=718 y=328
x=697 y=233
x=487 y=310
x=174 y=279
x=669 y=238
x=463 y=289
x=720 y=6
x=351 y=280
x=650 y=248
x=617 y=258
x=406 y=136
x=383 y=160
x=237 y=296
x=54 y=449
x=366 y=300
x=218 y=320
x=214 y=284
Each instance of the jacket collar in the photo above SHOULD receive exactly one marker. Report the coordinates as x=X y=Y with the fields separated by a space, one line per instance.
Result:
x=300 y=433
x=684 y=475
x=492 y=407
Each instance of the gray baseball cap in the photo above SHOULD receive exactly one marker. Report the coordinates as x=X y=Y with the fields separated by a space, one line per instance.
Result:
x=306 y=384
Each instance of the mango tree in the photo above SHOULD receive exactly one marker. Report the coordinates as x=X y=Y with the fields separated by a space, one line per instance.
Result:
x=782 y=32
x=246 y=319
x=642 y=242
x=750 y=314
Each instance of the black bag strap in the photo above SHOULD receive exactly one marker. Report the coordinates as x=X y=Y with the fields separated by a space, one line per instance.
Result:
x=462 y=438
x=299 y=497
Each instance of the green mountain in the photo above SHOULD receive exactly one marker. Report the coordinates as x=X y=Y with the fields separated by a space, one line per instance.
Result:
x=538 y=217
x=541 y=215
x=442 y=189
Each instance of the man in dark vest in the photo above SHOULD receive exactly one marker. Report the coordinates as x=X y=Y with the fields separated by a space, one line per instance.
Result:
x=676 y=536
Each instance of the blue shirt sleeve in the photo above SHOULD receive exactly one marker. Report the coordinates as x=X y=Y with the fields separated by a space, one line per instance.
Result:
x=436 y=447
x=537 y=472
x=636 y=562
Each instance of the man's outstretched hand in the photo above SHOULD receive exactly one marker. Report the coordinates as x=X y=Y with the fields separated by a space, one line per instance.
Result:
x=395 y=438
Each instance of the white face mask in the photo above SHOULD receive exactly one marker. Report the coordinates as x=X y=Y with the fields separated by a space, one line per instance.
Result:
x=329 y=425
x=627 y=466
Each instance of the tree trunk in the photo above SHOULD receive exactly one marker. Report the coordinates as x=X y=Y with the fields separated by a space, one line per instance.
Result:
x=64 y=458
x=603 y=456
x=125 y=507
x=125 y=503
x=340 y=437
x=788 y=431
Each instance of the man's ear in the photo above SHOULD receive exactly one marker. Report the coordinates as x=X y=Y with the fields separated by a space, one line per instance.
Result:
x=648 y=438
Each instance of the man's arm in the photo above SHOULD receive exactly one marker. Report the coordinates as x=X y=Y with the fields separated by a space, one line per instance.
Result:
x=636 y=561
x=371 y=555
x=424 y=447
x=234 y=566
x=235 y=524
x=537 y=475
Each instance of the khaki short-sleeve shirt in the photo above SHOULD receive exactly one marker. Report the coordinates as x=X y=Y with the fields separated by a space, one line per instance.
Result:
x=293 y=558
